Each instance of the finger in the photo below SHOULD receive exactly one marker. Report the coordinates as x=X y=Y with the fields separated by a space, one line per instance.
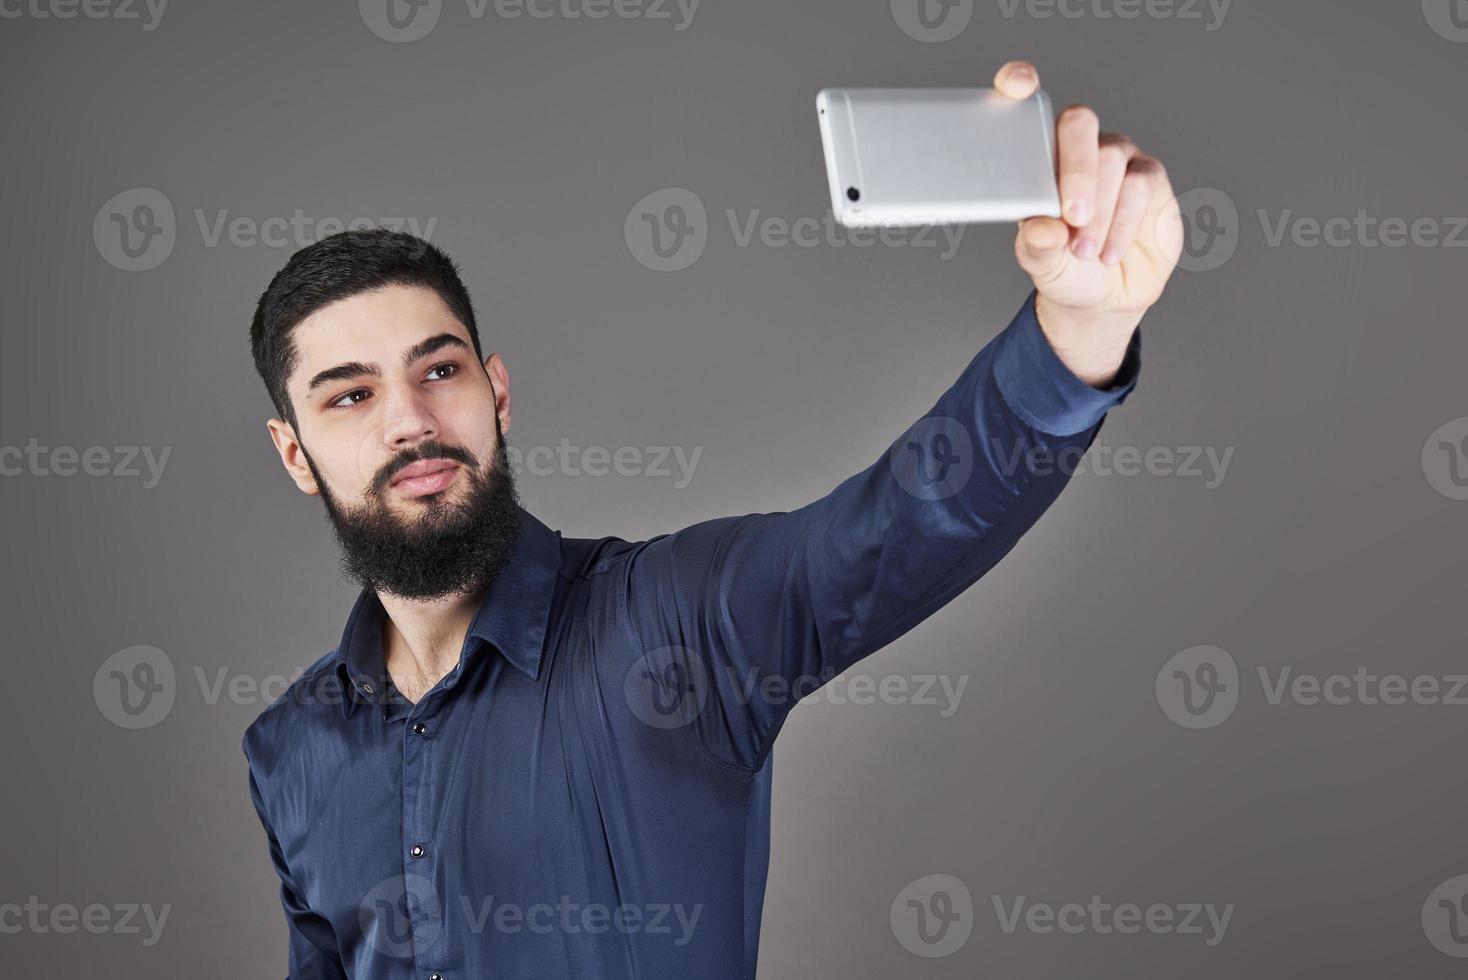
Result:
x=1017 y=79
x=1132 y=208
x=1041 y=248
x=1077 y=135
x=1114 y=156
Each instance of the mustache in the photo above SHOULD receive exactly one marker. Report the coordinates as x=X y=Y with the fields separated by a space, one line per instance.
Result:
x=433 y=449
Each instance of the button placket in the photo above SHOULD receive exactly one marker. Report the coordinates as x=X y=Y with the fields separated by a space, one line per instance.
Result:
x=418 y=816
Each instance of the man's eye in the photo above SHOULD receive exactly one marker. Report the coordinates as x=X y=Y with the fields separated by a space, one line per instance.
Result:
x=351 y=398
x=441 y=371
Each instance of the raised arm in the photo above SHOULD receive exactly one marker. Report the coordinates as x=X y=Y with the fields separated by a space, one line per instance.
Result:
x=739 y=618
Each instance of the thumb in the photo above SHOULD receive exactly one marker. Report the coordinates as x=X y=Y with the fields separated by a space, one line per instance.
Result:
x=1042 y=248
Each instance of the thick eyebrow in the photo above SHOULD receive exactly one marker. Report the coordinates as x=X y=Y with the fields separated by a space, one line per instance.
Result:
x=425 y=347
x=343 y=372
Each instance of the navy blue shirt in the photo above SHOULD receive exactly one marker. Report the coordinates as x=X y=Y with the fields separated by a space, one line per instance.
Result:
x=587 y=793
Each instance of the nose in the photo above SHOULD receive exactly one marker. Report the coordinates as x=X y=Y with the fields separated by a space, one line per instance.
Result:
x=409 y=424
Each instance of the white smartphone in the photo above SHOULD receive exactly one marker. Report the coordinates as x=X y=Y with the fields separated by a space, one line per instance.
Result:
x=902 y=157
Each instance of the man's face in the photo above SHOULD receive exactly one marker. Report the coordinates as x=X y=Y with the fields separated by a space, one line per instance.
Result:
x=398 y=428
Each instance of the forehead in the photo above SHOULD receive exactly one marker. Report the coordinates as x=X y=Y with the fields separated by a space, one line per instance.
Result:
x=374 y=327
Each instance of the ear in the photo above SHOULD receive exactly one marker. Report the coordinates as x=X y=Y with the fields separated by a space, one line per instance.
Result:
x=292 y=456
x=499 y=377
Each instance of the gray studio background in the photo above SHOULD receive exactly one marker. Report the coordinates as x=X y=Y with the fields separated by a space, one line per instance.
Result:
x=1330 y=376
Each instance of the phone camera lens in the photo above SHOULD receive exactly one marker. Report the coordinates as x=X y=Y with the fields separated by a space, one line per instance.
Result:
x=852 y=194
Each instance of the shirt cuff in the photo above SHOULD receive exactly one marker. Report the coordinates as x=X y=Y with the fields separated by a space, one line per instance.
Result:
x=1046 y=394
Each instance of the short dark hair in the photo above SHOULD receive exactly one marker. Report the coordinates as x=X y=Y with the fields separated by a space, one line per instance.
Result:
x=338 y=266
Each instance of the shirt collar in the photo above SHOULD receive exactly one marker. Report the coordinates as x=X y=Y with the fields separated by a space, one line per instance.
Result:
x=512 y=618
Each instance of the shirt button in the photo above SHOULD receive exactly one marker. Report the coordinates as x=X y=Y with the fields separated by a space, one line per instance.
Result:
x=368 y=689
x=417 y=850
x=435 y=976
x=420 y=729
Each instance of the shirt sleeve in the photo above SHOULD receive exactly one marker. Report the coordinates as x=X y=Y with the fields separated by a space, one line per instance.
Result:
x=741 y=617
x=311 y=944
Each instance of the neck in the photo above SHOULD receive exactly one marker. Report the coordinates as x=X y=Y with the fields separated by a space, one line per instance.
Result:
x=422 y=640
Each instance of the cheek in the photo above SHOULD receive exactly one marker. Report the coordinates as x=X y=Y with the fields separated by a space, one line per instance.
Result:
x=347 y=459
x=468 y=420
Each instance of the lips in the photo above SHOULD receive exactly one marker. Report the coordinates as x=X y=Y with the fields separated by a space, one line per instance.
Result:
x=424 y=477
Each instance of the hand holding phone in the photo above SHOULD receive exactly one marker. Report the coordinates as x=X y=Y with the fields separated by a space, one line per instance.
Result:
x=1099 y=226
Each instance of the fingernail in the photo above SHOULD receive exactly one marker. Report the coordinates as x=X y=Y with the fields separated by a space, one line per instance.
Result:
x=1078 y=211
x=1111 y=256
x=1086 y=249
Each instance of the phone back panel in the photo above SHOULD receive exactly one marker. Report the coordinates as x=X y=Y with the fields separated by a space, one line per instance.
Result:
x=903 y=157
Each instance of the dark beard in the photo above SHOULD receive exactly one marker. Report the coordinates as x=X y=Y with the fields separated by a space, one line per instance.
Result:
x=451 y=550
